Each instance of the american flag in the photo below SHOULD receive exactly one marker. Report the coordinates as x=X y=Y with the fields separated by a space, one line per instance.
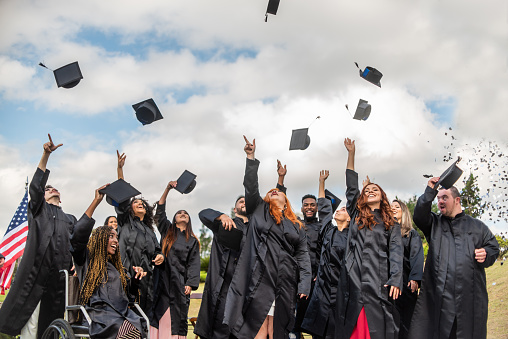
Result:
x=12 y=245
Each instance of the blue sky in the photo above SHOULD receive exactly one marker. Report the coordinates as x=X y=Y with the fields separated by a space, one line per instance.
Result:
x=218 y=71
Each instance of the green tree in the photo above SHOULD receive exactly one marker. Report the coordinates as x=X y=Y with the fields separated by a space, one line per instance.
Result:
x=470 y=197
x=205 y=240
x=503 y=245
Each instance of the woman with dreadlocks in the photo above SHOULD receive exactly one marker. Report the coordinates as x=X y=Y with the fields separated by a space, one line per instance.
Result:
x=105 y=284
x=274 y=266
x=373 y=262
x=178 y=276
x=412 y=266
x=137 y=240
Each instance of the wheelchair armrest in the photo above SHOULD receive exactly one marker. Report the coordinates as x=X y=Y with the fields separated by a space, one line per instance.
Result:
x=82 y=309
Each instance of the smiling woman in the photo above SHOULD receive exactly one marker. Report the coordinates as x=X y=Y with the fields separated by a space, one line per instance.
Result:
x=373 y=262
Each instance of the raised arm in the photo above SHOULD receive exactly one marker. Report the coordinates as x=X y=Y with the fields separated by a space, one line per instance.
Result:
x=250 y=180
x=352 y=190
x=121 y=163
x=281 y=171
x=213 y=219
x=83 y=229
x=423 y=216
x=169 y=186
x=324 y=205
x=49 y=148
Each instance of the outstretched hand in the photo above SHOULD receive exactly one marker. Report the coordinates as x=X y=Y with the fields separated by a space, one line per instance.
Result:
x=49 y=147
x=249 y=148
x=281 y=170
x=350 y=145
x=121 y=159
x=139 y=272
x=323 y=175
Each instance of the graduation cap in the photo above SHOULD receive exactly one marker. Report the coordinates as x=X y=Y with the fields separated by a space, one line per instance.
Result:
x=299 y=139
x=450 y=176
x=335 y=201
x=362 y=110
x=231 y=239
x=147 y=111
x=186 y=183
x=67 y=76
x=118 y=192
x=273 y=6
x=371 y=74
x=2 y=256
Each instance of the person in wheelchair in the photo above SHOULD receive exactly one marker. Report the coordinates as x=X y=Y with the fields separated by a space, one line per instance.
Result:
x=106 y=287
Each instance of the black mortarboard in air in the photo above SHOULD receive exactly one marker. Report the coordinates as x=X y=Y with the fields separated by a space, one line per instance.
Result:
x=299 y=139
x=186 y=183
x=371 y=74
x=231 y=239
x=273 y=6
x=335 y=201
x=450 y=176
x=147 y=111
x=362 y=110
x=118 y=192
x=67 y=76
x=1 y=256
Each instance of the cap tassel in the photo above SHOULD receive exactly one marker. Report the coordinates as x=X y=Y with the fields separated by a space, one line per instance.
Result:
x=313 y=121
x=348 y=110
x=357 y=65
x=266 y=17
x=41 y=64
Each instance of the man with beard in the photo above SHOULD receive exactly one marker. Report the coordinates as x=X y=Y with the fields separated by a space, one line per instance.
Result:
x=37 y=295
x=226 y=249
x=453 y=301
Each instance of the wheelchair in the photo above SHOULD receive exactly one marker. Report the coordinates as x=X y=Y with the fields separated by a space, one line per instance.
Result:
x=68 y=328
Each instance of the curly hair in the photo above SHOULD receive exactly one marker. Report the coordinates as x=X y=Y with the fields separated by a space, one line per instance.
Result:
x=148 y=219
x=406 y=222
x=366 y=218
x=170 y=237
x=97 y=272
x=279 y=214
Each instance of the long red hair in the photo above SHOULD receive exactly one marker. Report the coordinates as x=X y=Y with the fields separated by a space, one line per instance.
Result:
x=279 y=214
x=366 y=218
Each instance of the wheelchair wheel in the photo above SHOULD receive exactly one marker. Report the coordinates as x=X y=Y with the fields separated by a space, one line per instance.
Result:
x=59 y=329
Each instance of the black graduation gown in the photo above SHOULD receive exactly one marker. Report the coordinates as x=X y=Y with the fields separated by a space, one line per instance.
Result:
x=180 y=268
x=373 y=259
x=220 y=273
x=138 y=247
x=312 y=230
x=319 y=319
x=274 y=266
x=413 y=270
x=108 y=305
x=454 y=283
x=47 y=251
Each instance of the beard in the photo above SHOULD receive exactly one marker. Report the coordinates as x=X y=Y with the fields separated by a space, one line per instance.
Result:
x=242 y=212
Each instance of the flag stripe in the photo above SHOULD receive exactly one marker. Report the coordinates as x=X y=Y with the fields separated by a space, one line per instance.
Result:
x=22 y=234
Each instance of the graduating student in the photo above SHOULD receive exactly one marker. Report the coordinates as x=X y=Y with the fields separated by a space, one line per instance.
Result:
x=37 y=294
x=105 y=284
x=111 y=221
x=274 y=266
x=412 y=266
x=373 y=262
x=178 y=276
x=319 y=319
x=223 y=259
x=453 y=301
x=138 y=243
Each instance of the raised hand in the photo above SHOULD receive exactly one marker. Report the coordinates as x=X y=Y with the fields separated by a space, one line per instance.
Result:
x=249 y=148
x=171 y=184
x=98 y=195
x=350 y=145
x=281 y=170
x=432 y=182
x=323 y=175
x=49 y=147
x=366 y=181
x=121 y=159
